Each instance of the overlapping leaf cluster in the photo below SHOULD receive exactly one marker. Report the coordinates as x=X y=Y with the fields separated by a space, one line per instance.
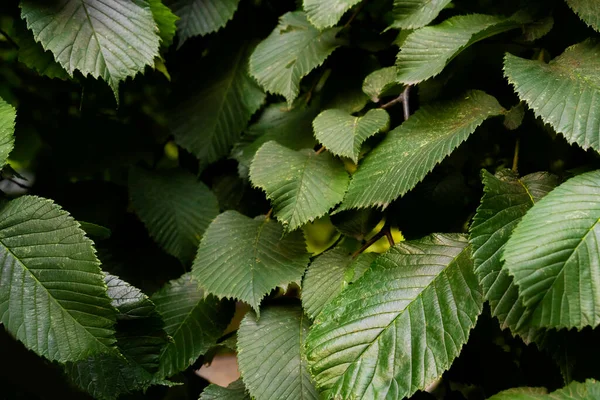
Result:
x=341 y=322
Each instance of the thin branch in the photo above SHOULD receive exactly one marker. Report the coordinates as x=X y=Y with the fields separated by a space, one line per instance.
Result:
x=369 y=242
x=405 y=102
x=387 y=105
x=354 y=14
x=322 y=149
x=388 y=235
x=9 y=39
x=268 y=214
x=515 y=164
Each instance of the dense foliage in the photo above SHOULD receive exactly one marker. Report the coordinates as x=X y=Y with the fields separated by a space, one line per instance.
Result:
x=360 y=199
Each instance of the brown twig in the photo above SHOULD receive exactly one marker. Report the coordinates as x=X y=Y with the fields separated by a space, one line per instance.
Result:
x=322 y=149
x=388 y=235
x=515 y=164
x=405 y=102
x=354 y=14
x=268 y=214
x=369 y=242
x=387 y=105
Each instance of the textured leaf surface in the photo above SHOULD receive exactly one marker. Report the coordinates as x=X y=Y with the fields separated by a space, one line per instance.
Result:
x=211 y=118
x=327 y=13
x=328 y=274
x=290 y=127
x=165 y=21
x=33 y=55
x=587 y=11
x=343 y=134
x=505 y=201
x=271 y=354
x=8 y=115
x=140 y=339
x=400 y=326
x=235 y=391
x=246 y=258
x=52 y=293
x=194 y=321
x=426 y=52
x=564 y=93
x=201 y=17
x=412 y=14
x=412 y=150
x=553 y=255
x=382 y=82
x=107 y=39
x=588 y=390
x=289 y=53
x=302 y=185
x=175 y=207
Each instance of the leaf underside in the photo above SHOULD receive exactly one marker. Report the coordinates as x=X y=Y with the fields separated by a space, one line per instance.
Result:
x=401 y=325
x=411 y=151
x=553 y=255
x=244 y=258
x=302 y=185
x=565 y=93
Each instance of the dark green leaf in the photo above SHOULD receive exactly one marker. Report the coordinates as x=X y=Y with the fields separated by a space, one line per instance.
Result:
x=201 y=17
x=235 y=391
x=575 y=391
x=8 y=116
x=326 y=13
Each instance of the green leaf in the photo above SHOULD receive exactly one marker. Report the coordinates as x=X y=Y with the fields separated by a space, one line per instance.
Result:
x=514 y=117
x=562 y=92
x=505 y=201
x=201 y=17
x=343 y=135
x=271 y=354
x=553 y=255
x=290 y=127
x=52 y=293
x=302 y=185
x=413 y=14
x=588 y=390
x=328 y=274
x=412 y=150
x=193 y=319
x=175 y=207
x=246 y=258
x=140 y=339
x=165 y=20
x=33 y=55
x=327 y=13
x=8 y=115
x=235 y=391
x=290 y=52
x=426 y=51
x=209 y=120
x=380 y=83
x=110 y=39
x=401 y=325
x=587 y=10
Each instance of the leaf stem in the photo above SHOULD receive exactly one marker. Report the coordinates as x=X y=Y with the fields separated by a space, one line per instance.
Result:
x=388 y=235
x=322 y=149
x=9 y=39
x=369 y=242
x=391 y=103
x=405 y=102
x=515 y=163
x=268 y=214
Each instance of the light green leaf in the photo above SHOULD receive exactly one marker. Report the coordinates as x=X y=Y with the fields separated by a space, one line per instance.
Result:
x=412 y=150
x=175 y=207
x=140 y=339
x=553 y=256
x=563 y=93
x=426 y=51
x=193 y=319
x=588 y=390
x=112 y=40
x=271 y=354
x=165 y=20
x=290 y=52
x=587 y=10
x=235 y=391
x=290 y=127
x=52 y=293
x=328 y=274
x=413 y=14
x=33 y=55
x=380 y=83
x=211 y=118
x=505 y=201
x=401 y=325
x=327 y=13
x=201 y=17
x=343 y=135
x=246 y=258
x=8 y=115
x=302 y=185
